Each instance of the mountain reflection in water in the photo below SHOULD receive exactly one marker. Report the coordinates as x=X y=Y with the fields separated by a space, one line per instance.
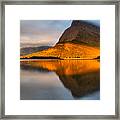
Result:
x=79 y=78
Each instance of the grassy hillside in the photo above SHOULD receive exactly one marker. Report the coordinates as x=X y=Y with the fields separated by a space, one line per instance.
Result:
x=68 y=50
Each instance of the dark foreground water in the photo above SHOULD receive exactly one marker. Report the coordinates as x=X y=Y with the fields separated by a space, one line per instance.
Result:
x=60 y=80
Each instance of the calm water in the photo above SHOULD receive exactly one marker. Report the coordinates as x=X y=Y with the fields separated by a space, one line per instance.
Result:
x=60 y=80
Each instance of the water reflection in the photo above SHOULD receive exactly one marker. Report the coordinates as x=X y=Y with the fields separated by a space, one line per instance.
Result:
x=70 y=79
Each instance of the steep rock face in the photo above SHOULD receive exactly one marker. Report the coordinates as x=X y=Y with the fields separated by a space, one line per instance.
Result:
x=81 y=32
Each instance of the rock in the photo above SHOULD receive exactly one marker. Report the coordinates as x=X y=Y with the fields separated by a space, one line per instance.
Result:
x=81 y=32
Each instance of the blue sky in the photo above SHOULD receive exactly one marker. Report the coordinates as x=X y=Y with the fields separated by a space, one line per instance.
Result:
x=44 y=32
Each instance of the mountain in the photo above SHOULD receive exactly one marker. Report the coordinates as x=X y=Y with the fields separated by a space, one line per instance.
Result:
x=29 y=50
x=81 y=40
x=81 y=32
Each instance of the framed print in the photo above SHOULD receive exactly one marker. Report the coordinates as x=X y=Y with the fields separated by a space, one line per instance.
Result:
x=60 y=59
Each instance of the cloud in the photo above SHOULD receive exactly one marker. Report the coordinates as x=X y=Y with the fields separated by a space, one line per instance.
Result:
x=27 y=41
x=40 y=27
x=41 y=32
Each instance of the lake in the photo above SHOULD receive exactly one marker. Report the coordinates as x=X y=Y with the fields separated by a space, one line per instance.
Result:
x=59 y=79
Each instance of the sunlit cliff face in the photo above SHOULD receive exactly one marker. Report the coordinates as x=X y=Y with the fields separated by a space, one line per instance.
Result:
x=79 y=76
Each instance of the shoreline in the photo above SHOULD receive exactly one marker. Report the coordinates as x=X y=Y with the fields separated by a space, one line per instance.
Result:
x=29 y=59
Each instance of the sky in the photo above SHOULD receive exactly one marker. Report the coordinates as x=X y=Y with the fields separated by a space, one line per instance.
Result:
x=35 y=33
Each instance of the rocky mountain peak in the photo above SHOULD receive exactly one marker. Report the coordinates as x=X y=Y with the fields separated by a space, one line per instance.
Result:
x=75 y=23
x=81 y=32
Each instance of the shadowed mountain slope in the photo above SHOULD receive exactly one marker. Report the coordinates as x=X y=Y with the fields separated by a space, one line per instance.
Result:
x=81 y=32
x=29 y=50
